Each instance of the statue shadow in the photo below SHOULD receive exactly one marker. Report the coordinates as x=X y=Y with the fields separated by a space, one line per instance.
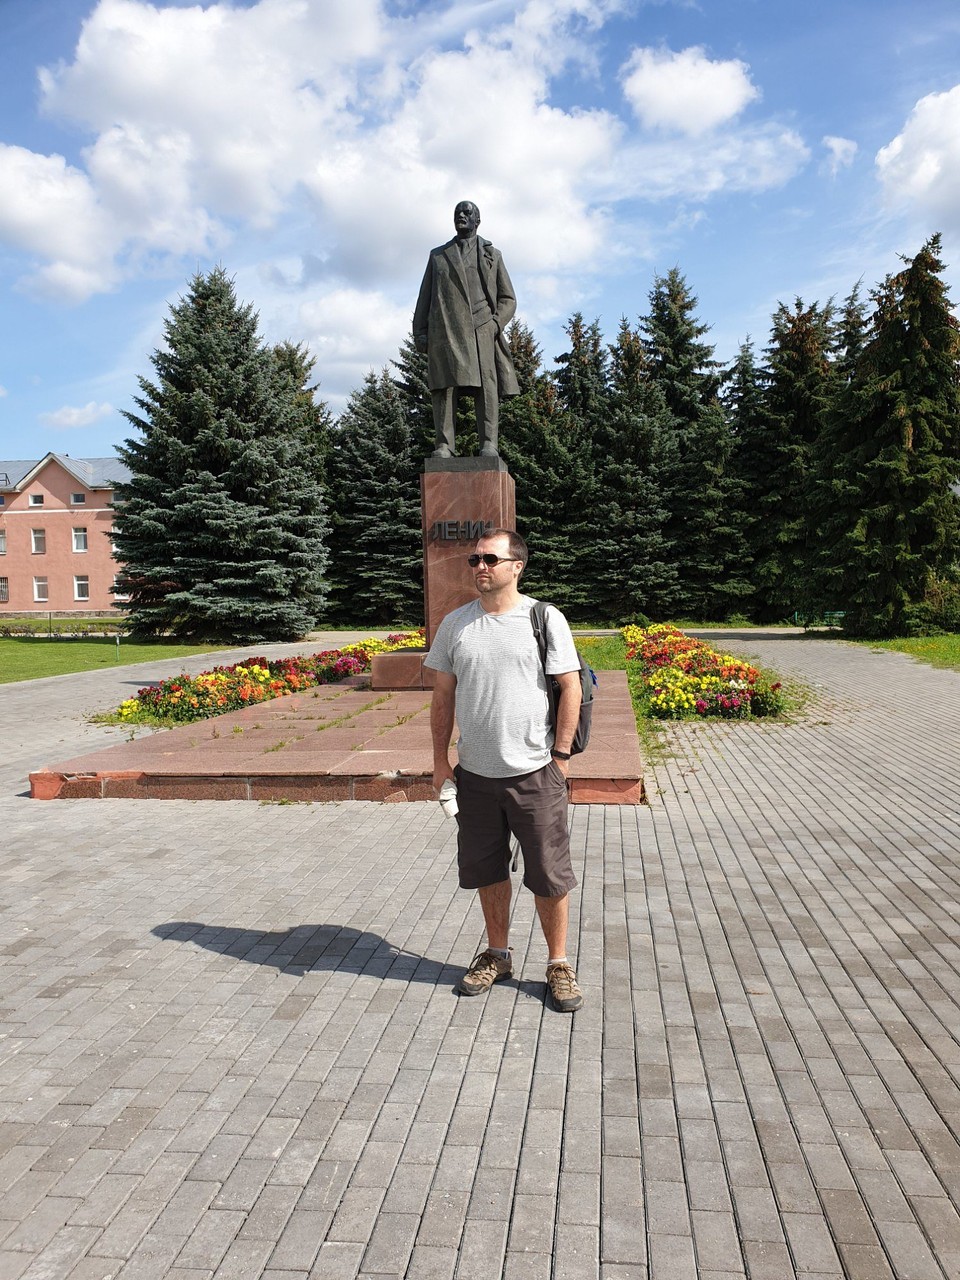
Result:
x=312 y=948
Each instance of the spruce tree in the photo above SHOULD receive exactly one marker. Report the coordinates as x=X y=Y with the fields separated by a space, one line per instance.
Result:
x=699 y=492
x=888 y=513
x=550 y=463
x=797 y=385
x=221 y=528
x=632 y=564
x=375 y=540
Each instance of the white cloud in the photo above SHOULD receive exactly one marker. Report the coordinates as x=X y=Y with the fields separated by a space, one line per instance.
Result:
x=341 y=136
x=3 y=392
x=69 y=417
x=351 y=331
x=841 y=152
x=920 y=168
x=685 y=92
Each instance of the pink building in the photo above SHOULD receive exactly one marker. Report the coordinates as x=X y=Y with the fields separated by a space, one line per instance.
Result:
x=55 y=523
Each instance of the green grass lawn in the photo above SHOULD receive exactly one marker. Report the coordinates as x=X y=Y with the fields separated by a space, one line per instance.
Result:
x=939 y=651
x=29 y=658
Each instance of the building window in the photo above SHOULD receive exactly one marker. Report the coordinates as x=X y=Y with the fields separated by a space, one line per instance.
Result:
x=120 y=595
x=36 y=499
x=2 y=500
x=79 y=539
x=78 y=499
x=3 y=542
x=81 y=588
x=40 y=593
x=38 y=541
x=4 y=590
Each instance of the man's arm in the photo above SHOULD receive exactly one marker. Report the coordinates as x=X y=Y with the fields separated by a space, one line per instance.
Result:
x=421 y=313
x=506 y=298
x=442 y=708
x=568 y=713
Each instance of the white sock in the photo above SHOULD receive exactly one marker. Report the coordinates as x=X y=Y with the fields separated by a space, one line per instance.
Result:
x=502 y=952
x=557 y=960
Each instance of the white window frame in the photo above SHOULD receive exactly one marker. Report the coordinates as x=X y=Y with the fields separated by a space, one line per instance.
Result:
x=36 y=500
x=4 y=590
x=80 y=535
x=3 y=542
x=41 y=594
x=38 y=542
x=78 y=499
x=81 y=593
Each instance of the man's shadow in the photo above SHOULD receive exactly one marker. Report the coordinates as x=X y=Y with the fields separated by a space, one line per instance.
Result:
x=311 y=948
x=315 y=948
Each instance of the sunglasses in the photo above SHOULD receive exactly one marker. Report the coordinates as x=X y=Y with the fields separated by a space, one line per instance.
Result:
x=489 y=560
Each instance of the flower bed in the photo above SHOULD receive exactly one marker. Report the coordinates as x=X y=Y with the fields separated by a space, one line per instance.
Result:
x=676 y=677
x=185 y=698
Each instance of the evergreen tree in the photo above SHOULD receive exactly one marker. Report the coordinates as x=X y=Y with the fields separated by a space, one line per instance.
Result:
x=411 y=382
x=743 y=402
x=221 y=528
x=550 y=463
x=316 y=422
x=375 y=540
x=699 y=492
x=798 y=382
x=631 y=563
x=889 y=517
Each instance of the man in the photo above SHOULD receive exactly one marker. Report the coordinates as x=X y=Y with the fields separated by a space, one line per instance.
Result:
x=512 y=770
x=466 y=301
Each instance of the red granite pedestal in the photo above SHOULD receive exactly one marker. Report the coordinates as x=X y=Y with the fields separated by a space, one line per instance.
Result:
x=461 y=499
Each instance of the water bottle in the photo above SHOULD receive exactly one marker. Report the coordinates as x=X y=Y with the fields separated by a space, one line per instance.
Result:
x=448 y=798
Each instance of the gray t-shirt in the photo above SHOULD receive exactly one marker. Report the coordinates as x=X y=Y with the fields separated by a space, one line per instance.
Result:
x=502 y=706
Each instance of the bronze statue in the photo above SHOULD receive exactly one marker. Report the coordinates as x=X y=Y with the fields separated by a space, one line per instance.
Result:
x=466 y=301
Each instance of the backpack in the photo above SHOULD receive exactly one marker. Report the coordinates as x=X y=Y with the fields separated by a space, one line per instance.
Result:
x=588 y=682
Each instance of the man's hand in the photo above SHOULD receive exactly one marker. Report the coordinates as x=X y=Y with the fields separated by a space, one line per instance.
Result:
x=563 y=766
x=420 y=342
x=442 y=773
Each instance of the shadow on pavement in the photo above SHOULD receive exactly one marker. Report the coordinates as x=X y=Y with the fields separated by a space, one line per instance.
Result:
x=311 y=948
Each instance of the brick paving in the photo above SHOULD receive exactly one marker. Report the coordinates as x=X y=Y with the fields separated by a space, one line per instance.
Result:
x=231 y=1049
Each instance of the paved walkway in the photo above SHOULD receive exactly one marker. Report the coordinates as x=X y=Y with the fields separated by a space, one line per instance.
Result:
x=230 y=1047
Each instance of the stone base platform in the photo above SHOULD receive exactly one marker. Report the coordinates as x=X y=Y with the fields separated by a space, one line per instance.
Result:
x=338 y=742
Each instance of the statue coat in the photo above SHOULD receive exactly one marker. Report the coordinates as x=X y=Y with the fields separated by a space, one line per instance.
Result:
x=443 y=318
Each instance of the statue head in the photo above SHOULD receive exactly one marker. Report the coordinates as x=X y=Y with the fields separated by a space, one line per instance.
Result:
x=466 y=219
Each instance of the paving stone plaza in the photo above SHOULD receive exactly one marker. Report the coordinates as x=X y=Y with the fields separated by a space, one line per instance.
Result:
x=231 y=1047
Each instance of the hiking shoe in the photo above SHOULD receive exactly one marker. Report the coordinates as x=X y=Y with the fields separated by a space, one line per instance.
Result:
x=486 y=969
x=564 y=991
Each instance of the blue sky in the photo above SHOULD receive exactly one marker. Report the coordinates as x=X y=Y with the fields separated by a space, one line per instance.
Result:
x=316 y=149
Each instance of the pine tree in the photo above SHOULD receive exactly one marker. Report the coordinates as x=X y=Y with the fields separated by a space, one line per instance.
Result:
x=632 y=564
x=550 y=464
x=798 y=383
x=375 y=540
x=699 y=492
x=889 y=517
x=221 y=528
x=316 y=420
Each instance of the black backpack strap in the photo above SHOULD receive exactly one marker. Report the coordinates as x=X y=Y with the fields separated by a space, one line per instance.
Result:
x=538 y=620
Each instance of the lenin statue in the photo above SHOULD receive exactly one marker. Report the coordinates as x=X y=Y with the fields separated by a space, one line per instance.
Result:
x=466 y=301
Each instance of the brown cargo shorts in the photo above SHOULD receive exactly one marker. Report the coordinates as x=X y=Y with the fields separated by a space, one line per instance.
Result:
x=531 y=806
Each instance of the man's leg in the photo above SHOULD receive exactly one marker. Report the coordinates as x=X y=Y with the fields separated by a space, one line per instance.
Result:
x=539 y=819
x=444 y=418
x=488 y=397
x=483 y=855
x=554 y=914
x=495 y=905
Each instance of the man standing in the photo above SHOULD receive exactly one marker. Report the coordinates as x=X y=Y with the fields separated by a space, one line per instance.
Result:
x=466 y=301
x=512 y=769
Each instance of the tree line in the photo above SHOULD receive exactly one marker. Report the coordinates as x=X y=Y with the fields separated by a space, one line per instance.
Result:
x=814 y=475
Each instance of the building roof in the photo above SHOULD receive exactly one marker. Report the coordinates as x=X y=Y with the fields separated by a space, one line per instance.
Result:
x=92 y=473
